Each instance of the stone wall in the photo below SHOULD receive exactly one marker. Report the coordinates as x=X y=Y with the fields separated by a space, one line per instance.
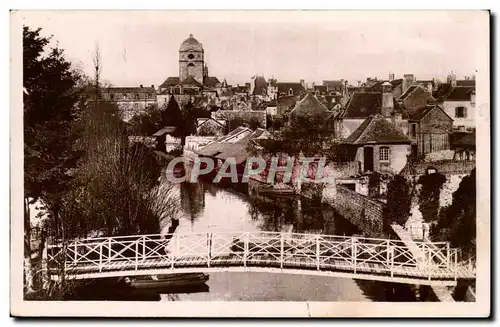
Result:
x=365 y=213
x=336 y=171
x=445 y=167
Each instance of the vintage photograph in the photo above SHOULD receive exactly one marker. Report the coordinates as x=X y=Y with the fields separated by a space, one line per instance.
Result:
x=320 y=161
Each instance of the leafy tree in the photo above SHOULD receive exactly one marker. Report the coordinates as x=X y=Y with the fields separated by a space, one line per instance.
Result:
x=146 y=123
x=171 y=115
x=308 y=136
x=457 y=222
x=398 y=205
x=429 y=195
x=49 y=98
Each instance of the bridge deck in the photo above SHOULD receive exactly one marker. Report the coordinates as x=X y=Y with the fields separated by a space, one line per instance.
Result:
x=354 y=257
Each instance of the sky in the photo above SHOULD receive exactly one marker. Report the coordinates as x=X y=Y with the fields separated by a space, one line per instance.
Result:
x=141 y=47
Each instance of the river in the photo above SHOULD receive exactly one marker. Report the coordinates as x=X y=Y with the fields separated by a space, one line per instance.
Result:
x=209 y=207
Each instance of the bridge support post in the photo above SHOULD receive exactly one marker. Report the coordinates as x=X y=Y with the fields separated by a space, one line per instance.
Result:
x=429 y=262
x=282 y=250
x=109 y=250
x=174 y=239
x=387 y=249
x=317 y=252
x=391 y=251
x=74 y=254
x=136 y=254
x=354 y=253
x=447 y=255
x=100 y=257
x=455 y=265
x=245 y=249
x=209 y=248
x=143 y=248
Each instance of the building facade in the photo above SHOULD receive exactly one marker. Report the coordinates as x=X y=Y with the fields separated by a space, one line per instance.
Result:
x=130 y=100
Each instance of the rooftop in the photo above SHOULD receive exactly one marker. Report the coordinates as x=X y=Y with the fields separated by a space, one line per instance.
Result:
x=309 y=105
x=377 y=129
x=191 y=44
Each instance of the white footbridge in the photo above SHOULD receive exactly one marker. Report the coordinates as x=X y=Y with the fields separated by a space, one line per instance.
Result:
x=307 y=254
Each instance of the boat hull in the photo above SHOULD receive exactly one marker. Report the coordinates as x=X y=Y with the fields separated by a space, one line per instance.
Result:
x=167 y=281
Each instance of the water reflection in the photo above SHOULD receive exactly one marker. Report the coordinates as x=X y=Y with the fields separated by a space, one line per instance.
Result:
x=209 y=207
x=115 y=289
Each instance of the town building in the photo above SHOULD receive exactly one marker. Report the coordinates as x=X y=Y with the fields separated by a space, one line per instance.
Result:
x=130 y=100
x=309 y=106
x=210 y=127
x=458 y=100
x=379 y=146
x=430 y=129
x=294 y=89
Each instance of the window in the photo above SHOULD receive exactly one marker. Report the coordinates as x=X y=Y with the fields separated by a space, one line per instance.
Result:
x=137 y=96
x=384 y=154
x=124 y=95
x=290 y=92
x=112 y=96
x=136 y=106
x=460 y=112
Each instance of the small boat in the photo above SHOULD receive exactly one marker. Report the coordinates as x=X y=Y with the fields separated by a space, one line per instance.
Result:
x=273 y=190
x=167 y=281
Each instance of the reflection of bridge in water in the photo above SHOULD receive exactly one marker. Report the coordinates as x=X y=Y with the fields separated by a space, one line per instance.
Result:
x=307 y=254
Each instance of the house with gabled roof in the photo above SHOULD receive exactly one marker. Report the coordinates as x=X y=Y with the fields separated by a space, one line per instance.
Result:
x=379 y=146
x=430 y=129
x=210 y=127
x=309 y=106
x=416 y=97
x=458 y=100
x=291 y=89
x=362 y=105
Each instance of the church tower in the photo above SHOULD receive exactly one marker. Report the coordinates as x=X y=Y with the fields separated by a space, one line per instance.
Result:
x=191 y=61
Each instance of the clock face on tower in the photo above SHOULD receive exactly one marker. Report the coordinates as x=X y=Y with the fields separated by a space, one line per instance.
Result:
x=191 y=56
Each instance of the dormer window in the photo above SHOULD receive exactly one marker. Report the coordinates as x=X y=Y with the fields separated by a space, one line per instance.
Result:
x=290 y=92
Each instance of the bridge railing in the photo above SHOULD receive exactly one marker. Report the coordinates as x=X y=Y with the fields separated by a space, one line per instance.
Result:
x=280 y=250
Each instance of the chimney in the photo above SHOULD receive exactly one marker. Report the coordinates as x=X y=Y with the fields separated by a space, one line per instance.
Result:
x=391 y=77
x=408 y=80
x=429 y=88
x=452 y=79
x=387 y=100
x=302 y=82
x=141 y=86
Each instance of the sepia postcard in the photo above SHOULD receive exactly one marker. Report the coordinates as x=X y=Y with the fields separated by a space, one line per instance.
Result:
x=270 y=163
